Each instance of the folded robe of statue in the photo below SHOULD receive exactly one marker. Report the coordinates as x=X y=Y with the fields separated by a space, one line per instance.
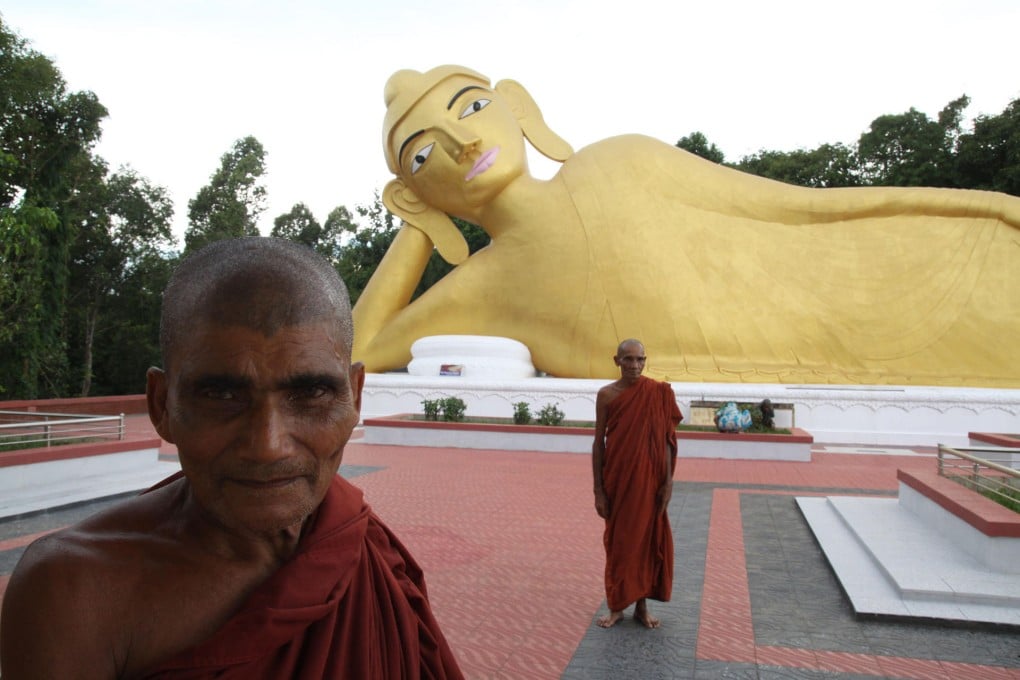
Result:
x=640 y=422
x=351 y=603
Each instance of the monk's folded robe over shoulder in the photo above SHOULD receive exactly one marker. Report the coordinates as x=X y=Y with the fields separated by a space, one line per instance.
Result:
x=640 y=422
x=350 y=604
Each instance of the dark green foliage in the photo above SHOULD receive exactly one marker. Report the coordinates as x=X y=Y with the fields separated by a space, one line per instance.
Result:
x=327 y=239
x=47 y=173
x=453 y=409
x=363 y=252
x=230 y=205
x=522 y=414
x=830 y=165
x=910 y=149
x=550 y=415
x=698 y=145
x=906 y=149
x=989 y=157
x=432 y=407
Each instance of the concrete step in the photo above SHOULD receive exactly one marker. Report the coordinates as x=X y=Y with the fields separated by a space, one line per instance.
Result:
x=890 y=563
x=68 y=491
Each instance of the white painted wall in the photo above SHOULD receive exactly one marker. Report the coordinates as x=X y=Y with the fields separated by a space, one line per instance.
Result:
x=832 y=414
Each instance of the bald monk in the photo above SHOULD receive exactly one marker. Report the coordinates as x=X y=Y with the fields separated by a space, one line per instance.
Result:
x=725 y=276
x=258 y=561
x=633 y=458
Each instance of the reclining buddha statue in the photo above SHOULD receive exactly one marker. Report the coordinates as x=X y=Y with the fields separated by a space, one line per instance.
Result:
x=726 y=277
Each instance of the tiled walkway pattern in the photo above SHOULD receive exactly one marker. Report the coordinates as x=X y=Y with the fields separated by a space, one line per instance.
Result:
x=511 y=547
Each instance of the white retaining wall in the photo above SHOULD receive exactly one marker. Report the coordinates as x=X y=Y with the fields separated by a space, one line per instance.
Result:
x=908 y=416
x=999 y=553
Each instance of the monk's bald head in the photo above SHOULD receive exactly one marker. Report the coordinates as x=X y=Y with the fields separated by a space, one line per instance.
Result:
x=627 y=344
x=265 y=284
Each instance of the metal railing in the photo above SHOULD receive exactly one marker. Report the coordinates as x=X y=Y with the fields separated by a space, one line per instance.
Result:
x=992 y=473
x=28 y=429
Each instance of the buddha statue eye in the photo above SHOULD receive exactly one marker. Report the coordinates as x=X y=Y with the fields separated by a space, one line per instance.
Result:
x=474 y=107
x=420 y=158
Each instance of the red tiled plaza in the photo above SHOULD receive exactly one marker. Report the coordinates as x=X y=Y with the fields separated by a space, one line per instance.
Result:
x=511 y=548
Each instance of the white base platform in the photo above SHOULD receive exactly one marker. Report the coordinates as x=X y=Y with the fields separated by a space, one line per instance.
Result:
x=51 y=484
x=893 y=563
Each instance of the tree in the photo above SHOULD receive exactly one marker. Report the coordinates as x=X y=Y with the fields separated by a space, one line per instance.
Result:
x=989 y=157
x=697 y=144
x=300 y=225
x=910 y=149
x=366 y=247
x=129 y=220
x=23 y=233
x=830 y=165
x=230 y=205
x=128 y=338
x=47 y=135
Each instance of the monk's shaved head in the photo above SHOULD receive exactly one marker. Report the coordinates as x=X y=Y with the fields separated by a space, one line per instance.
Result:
x=265 y=284
x=627 y=343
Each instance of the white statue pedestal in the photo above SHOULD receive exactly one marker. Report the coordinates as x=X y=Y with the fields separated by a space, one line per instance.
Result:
x=473 y=356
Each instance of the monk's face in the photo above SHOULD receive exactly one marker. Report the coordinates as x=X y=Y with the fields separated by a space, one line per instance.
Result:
x=260 y=423
x=631 y=360
x=459 y=147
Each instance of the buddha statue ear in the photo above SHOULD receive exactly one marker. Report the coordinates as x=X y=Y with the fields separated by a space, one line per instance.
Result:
x=524 y=108
x=402 y=201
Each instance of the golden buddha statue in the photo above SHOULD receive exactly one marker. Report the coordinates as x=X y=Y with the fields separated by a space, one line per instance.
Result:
x=726 y=277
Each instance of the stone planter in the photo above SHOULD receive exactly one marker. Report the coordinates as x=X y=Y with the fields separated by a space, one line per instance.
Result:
x=401 y=430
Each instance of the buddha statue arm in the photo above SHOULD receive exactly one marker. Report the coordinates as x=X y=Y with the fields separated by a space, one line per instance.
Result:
x=391 y=286
x=719 y=189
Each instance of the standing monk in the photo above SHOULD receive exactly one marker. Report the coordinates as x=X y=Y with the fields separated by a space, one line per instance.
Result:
x=258 y=561
x=633 y=460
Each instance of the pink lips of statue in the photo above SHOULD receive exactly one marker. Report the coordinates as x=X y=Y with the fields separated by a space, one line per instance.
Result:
x=483 y=163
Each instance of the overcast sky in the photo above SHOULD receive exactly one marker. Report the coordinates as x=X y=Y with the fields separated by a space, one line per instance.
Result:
x=184 y=79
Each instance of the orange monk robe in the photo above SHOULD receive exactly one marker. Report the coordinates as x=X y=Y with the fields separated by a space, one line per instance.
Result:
x=351 y=603
x=639 y=543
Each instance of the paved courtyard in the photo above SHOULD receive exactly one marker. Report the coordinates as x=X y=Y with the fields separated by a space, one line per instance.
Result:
x=511 y=548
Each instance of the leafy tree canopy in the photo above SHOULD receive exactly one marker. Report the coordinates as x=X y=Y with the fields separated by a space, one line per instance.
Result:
x=904 y=149
x=230 y=205
x=698 y=144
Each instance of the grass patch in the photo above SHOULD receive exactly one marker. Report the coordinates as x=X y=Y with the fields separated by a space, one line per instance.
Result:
x=23 y=445
x=1004 y=493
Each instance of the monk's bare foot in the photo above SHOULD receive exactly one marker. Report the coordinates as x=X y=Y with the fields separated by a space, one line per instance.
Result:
x=609 y=619
x=642 y=616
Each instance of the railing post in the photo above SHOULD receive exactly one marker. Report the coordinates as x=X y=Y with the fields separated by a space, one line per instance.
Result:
x=122 y=427
x=46 y=430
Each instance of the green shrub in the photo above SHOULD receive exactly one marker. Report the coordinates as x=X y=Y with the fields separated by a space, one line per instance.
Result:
x=522 y=414
x=550 y=415
x=431 y=408
x=453 y=409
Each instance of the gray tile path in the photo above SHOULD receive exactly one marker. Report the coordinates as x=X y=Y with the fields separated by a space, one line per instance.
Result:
x=796 y=602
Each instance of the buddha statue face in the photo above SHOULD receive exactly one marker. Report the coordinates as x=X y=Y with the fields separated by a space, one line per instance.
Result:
x=458 y=146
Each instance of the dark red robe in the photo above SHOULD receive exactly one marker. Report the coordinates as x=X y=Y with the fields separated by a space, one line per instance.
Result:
x=640 y=422
x=351 y=603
